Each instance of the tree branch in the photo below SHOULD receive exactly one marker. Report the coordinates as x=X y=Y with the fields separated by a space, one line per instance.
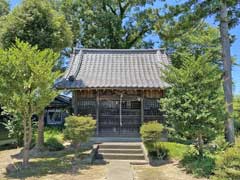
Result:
x=122 y=8
x=140 y=34
x=112 y=10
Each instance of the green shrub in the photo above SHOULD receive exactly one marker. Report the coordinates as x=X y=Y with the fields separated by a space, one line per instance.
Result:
x=51 y=132
x=79 y=128
x=218 y=145
x=200 y=166
x=237 y=126
x=151 y=132
x=53 y=144
x=157 y=150
x=228 y=165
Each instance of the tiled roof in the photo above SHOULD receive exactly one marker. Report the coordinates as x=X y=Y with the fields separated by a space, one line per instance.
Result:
x=113 y=68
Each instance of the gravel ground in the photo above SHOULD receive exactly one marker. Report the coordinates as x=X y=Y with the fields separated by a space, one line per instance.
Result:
x=169 y=171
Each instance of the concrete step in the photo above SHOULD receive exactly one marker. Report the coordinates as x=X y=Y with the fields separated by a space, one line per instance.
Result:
x=121 y=151
x=119 y=146
x=120 y=156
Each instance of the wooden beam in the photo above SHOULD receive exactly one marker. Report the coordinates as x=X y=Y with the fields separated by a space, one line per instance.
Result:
x=74 y=102
x=120 y=111
x=97 y=113
x=142 y=108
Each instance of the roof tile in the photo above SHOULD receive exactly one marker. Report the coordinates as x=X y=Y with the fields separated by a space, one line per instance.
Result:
x=106 y=68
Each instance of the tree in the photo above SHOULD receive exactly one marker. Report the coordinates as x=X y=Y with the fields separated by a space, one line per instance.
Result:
x=37 y=23
x=26 y=81
x=4 y=7
x=189 y=14
x=108 y=23
x=4 y=10
x=205 y=40
x=193 y=104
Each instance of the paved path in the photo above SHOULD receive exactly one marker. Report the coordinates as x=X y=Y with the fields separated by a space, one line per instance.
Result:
x=119 y=170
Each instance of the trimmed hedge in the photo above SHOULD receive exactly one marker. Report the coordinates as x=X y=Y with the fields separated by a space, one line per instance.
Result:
x=79 y=129
x=151 y=132
x=53 y=144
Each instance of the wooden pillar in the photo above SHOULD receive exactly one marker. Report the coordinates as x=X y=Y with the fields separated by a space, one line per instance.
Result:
x=142 y=108
x=97 y=113
x=120 y=110
x=74 y=102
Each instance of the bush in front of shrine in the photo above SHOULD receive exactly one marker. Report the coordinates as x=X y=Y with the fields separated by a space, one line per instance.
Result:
x=151 y=132
x=79 y=129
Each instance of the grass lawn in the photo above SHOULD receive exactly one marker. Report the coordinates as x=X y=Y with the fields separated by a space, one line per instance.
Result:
x=174 y=150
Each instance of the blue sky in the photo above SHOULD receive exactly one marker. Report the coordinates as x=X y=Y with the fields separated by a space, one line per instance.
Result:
x=235 y=49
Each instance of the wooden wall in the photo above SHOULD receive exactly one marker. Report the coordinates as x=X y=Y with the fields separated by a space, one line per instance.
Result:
x=138 y=106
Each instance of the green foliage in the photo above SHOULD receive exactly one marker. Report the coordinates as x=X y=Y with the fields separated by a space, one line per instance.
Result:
x=15 y=129
x=205 y=40
x=170 y=150
x=27 y=78
x=176 y=150
x=53 y=144
x=52 y=132
x=109 y=24
x=53 y=139
x=194 y=104
x=26 y=81
x=200 y=166
x=79 y=129
x=4 y=7
x=228 y=165
x=236 y=114
x=37 y=23
x=190 y=14
x=218 y=145
x=151 y=132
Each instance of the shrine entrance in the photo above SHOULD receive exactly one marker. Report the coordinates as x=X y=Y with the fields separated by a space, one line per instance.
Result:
x=120 y=116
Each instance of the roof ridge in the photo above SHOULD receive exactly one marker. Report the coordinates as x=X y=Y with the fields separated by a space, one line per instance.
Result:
x=162 y=50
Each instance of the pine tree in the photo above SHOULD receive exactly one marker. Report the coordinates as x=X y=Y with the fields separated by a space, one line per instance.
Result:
x=193 y=104
x=188 y=15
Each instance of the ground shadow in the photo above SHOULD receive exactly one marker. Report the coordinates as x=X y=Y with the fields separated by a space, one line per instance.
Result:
x=159 y=162
x=63 y=162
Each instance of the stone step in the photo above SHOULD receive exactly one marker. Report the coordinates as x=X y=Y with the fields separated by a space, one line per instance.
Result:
x=120 y=156
x=119 y=146
x=121 y=151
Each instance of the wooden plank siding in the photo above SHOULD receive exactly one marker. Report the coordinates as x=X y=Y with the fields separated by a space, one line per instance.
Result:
x=115 y=118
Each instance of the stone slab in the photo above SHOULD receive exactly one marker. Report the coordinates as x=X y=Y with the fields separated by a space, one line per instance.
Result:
x=119 y=170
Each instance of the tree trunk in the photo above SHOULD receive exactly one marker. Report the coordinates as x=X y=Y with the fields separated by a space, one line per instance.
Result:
x=27 y=125
x=40 y=140
x=227 y=66
x=26 y=155
x=26 y=148
x=200 y=145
